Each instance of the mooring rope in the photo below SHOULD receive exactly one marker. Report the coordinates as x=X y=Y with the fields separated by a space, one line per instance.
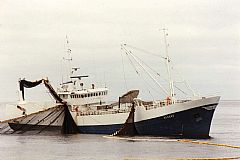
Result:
x=140 y=139
x=215 y=158
x=172 y=140
x=208 y=143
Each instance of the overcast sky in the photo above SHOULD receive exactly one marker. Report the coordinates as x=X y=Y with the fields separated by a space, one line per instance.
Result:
x=204 y=39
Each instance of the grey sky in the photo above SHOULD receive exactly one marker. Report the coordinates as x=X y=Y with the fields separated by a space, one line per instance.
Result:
x=204 y=40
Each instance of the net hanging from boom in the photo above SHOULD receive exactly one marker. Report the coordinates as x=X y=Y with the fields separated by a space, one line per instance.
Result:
x=128 y=128
x=27 y=84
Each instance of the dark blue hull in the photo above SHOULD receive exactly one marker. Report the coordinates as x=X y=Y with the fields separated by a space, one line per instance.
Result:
x=100 y=129
x=192 y=123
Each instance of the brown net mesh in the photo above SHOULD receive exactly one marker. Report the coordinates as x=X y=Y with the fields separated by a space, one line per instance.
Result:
x=128 y=128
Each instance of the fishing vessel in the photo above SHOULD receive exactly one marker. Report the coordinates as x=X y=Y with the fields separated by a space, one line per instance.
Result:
x=188 y=118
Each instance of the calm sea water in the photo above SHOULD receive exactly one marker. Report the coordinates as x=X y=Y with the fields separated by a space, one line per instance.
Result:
x=225 y=130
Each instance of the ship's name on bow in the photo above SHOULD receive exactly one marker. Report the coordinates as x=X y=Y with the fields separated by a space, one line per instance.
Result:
x=168 y=116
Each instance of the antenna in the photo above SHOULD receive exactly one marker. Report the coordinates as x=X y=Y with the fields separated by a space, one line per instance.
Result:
x=171 y=88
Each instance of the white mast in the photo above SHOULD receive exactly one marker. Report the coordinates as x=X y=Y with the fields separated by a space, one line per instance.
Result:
x=171 y=87
x=69 y=57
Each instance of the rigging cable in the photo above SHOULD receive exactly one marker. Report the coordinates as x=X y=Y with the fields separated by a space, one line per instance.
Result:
x=187 y=85
x=131 y=62
x=130 y=53
x=139 y=59
x=135 y=68
x=146 y=52
x=158 y=74
x=124 y=75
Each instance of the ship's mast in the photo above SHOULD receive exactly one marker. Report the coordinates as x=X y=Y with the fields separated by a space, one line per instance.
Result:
x=69 y=57
x=171 y=87
x=71 y=70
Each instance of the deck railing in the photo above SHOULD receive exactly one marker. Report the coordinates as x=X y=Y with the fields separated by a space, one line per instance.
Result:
x=158 y=104
x=148 y=106
x=102 y=112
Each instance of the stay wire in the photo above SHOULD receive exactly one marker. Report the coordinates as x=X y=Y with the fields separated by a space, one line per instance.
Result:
x=124 y=75
x=158 y=74
x=146 y=52
x=138 y=73
x=131 y=62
